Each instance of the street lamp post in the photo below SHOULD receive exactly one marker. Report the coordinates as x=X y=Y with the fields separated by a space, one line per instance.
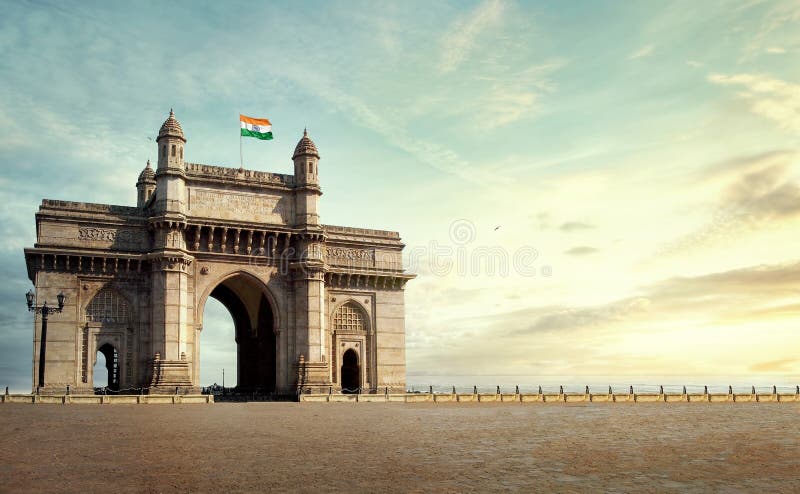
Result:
x=45 y=311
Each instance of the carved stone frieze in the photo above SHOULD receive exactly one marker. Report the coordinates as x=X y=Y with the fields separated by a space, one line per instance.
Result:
x=115 y=236
x=351 y=254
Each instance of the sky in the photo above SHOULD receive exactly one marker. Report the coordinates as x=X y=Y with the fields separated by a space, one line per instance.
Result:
x=583 y=188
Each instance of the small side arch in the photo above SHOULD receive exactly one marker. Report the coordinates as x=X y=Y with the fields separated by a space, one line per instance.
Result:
x=108 y=306
x=350 y=315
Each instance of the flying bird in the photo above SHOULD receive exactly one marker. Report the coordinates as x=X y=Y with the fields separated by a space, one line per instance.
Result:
x=497 y=227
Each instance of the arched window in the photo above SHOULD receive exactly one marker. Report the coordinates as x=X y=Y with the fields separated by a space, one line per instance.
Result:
x=108 y=306
x=181 y=152
x=173 y=150
x=349 y=318
x=163 y=150
x=310 y=169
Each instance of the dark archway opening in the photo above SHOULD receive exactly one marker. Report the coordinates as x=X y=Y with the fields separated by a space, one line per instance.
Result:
x=254 y=333
x=112 y=365
x=351 y=375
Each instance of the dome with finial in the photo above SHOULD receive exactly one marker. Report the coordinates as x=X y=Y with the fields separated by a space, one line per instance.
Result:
x=171 y=127
x=148 y=174
x=305 y=147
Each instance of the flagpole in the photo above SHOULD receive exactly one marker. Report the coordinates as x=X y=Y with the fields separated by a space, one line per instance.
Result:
x=241 y=160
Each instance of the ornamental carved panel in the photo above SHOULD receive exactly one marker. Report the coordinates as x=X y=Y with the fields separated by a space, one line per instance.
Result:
x=228 y=205
x=347 y=254
x=115 y=237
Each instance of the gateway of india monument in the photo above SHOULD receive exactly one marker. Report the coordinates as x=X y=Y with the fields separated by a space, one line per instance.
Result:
x=314 y=306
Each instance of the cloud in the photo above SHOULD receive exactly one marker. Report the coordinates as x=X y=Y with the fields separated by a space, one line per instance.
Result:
x=776 y=50
x=574 y=226
x=582 y=250
x=514 y=96
x=763 y=195
x=755 y=190
x=780 y=365
x=711 y=296
x=771 y=98
x=777 y=23
x=573 y=318
x=734 y=166
x=642 y=52
x=462 y=35
x=694 y=64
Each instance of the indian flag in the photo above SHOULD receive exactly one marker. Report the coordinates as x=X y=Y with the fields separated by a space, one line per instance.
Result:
x=259 y=128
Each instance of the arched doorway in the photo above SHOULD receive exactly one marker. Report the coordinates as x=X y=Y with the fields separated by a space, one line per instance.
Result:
x=246 y=301
x=111 y=357
x=351 y=374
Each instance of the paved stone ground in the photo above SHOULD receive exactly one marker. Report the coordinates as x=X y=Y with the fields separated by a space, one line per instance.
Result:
x=278 y=447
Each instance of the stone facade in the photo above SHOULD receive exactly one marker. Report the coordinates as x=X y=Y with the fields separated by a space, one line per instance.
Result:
x=314 y=306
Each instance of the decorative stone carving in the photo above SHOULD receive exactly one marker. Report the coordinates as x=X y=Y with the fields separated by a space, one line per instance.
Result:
x=351 y=254
x=171 y=263
x=121 y=237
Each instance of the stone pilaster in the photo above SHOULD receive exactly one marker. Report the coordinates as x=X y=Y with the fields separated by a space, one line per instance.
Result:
x=308 y=274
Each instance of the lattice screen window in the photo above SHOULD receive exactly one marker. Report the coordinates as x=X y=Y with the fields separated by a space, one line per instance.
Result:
x=108 y=306
x=349 y=317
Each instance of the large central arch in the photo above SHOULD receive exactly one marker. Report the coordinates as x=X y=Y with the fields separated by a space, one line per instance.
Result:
x=254 y=316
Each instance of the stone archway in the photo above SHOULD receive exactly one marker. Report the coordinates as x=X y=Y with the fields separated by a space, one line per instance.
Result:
x=253 y=316
x=351 y=372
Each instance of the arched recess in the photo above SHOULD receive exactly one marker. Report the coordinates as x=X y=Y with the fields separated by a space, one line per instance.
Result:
x=351 y=325
x=109 y=322
x=351 y=375
x=255 y=317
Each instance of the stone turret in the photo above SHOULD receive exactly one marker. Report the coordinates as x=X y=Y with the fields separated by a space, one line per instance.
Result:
x=306 y=160
x=306 y=176
x=170 y=174
x=170 y=143
x=146 y=185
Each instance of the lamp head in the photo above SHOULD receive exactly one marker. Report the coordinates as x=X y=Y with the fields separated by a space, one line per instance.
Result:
x=29 y=298
x=61 y=299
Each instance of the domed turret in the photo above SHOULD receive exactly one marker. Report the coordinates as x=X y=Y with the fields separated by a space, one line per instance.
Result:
x=171 y=127
x=148 y=175
x=306 y=177
x=305 y=147
x=146 y=185
x=170 y=144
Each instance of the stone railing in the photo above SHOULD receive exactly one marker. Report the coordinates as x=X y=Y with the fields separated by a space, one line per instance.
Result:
x=556 y=397
x=347 y=230
x=90 y=207
x=106 y=399
x=221 y=172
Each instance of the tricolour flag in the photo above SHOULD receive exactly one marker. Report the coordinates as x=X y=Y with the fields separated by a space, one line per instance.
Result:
x=259 y=128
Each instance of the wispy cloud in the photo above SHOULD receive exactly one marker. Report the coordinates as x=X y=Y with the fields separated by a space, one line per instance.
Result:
x=690 y=305
x=780 y=365
x=754 y=191
x=582 y=250
x=771 y=98
x=515 y=96
x=642 y=52
x=777 y=25
x=574 y=226
x=756 y=288
x=461 y=37
x=776 y=50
